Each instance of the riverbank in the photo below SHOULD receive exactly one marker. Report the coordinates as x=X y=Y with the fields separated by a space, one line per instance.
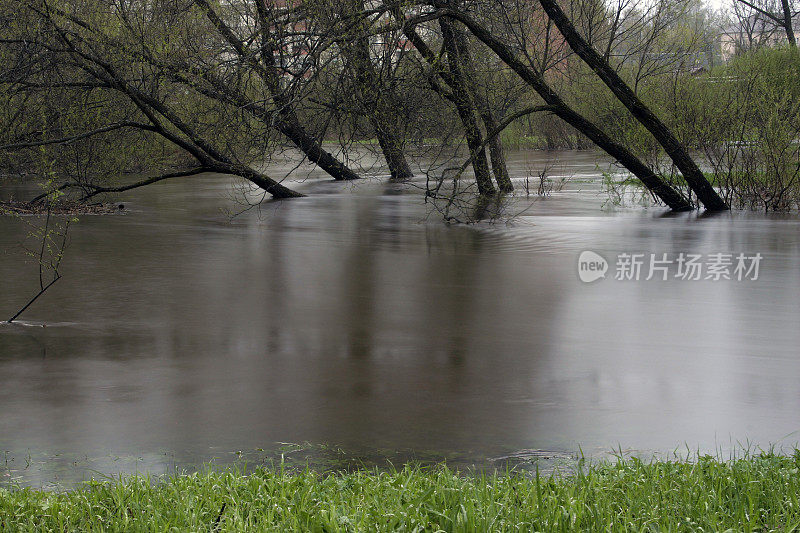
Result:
x=754 y=492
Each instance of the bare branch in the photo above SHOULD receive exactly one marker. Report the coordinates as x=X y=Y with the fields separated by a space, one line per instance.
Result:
x=73 y=138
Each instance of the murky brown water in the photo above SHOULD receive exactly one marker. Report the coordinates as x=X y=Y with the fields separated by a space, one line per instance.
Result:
x=178 y=335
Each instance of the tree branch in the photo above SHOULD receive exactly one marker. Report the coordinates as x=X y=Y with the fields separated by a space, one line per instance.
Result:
x=499 y=129
x=181 y=174
x=775 y=19
x=71 y=139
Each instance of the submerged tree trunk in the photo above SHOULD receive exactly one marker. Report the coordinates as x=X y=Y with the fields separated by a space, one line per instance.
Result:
x=496 y=152
x=463 y=103
x=376 y=100
x=290 y=126
x=654 y=183
x=458 y=95
x=287 y=121
x=672 y=146
x=393 y=153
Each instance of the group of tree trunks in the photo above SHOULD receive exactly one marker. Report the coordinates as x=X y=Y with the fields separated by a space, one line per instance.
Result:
x=452 y=75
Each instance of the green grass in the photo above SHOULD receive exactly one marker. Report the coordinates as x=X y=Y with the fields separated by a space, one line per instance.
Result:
x=751 y=493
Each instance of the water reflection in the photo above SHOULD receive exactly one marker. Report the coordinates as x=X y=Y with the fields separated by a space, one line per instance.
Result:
x=352 y=317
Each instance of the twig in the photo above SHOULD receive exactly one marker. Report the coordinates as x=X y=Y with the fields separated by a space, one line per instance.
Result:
x=10 y=320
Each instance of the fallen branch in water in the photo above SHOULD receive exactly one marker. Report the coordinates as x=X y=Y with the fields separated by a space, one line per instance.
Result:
x=49 y=258
x=27 y=305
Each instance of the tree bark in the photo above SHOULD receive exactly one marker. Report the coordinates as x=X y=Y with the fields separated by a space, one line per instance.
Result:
x=393 y=153
x=287 y=121
x=463 y=103
x=290 y=126
x=375 y=99
x=672 y=146
x=496 y=152
x=787 y=23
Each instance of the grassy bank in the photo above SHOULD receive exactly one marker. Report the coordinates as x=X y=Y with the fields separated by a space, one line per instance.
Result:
x=754 y=493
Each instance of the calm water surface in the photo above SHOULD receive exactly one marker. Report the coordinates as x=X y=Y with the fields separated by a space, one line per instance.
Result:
x=355 y=318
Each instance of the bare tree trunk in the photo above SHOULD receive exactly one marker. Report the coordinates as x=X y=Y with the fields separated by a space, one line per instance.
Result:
x=655 y=184
x=209 y=157
x=672 y=146
x=463 y=103
x=290 y=126
x=376 y=99
x=782 y=19
x=287 y=122
x=496 y=152
x=393 y=153
x=787 y=23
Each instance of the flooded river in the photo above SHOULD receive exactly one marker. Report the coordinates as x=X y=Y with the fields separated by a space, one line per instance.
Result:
x=355 y=318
